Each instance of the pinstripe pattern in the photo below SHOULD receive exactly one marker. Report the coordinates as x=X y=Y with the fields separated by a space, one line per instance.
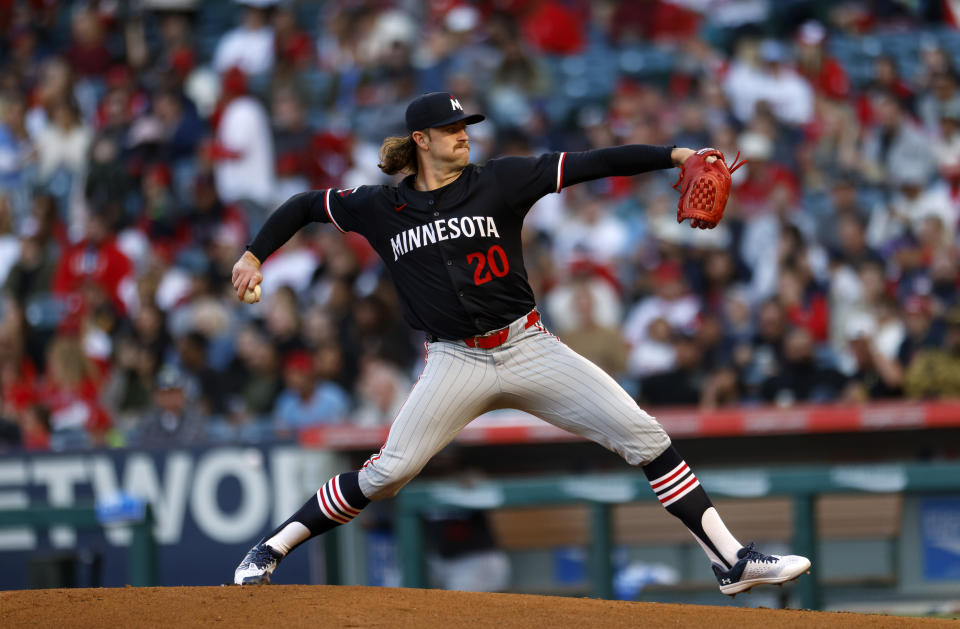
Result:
x=534 y=372
x=457 y=385
x=551 y=381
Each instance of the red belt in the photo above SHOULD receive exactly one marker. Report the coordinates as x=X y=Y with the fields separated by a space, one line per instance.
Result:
x=498 y=338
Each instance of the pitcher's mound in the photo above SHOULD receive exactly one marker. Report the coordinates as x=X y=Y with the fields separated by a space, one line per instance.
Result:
x=331 y=606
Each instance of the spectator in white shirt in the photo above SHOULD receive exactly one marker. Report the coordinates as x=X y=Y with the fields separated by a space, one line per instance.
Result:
x=63 y=143
x=770 y=79
x=909 y=209
x=895 y=144
x=590 y=231
x=381 y=390
x=947 y=146
x=944 y=93
x=250 y=45
x=244 y=169
x=673 y=303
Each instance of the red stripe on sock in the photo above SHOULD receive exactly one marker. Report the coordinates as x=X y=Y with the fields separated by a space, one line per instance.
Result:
x=672 y=476
x=333 y=503
x=667 y=497
x=344 y=506
x=330 y=512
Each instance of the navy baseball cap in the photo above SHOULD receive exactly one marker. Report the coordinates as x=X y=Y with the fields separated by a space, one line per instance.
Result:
x=437 y=109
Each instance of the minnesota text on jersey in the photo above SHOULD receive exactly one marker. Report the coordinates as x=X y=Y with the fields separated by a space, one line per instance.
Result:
x=443 y=229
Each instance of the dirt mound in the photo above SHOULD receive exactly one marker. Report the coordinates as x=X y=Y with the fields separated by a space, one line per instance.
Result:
x=330 y=606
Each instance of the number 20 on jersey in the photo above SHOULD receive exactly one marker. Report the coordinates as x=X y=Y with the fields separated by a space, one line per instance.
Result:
x=492 y=263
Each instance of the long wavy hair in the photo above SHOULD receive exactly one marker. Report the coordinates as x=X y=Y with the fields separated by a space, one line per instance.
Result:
x=398 y=155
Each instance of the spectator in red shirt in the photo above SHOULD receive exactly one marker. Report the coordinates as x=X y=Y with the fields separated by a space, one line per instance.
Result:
x=35 y=428
x=18 y=374
x=766 y=184
x=824 y=73
x=96 y=262
x=886 y=79
x=804 y=305
x=293 y=48
x=336 y=147
x=658 y=20
x=70 y=389
x=554 y=28
x=123 y=103
x=88 y=55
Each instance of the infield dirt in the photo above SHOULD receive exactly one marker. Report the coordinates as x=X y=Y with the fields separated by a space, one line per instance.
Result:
x=357 y=607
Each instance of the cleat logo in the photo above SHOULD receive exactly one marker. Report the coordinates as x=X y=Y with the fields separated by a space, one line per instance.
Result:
x=725 y=581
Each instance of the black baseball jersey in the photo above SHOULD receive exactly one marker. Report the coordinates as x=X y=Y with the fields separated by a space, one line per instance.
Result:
x=454 y=253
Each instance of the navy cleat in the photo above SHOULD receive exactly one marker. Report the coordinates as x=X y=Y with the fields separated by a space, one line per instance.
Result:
x=755 y=568
x=257 y=566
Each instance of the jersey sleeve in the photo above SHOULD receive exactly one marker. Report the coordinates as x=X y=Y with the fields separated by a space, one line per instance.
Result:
x=342 y=208
x=345 y=208
x=523 y=180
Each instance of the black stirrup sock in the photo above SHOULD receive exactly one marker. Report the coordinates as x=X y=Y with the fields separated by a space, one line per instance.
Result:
x=336 y=503
x=680 y=493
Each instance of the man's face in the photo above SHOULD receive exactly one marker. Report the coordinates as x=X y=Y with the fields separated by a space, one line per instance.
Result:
x=851 y=235
x=172 y=400
x=917 y=323
x=798 y=346
x=771 y=321
x=844 y=196
x=449 y=144
x=888 y=112
x=299 y=380
x=943 y=86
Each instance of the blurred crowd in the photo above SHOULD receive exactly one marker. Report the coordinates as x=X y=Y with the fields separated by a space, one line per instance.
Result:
x=142 y=144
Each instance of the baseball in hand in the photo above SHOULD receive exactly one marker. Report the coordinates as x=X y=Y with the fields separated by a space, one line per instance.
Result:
x=252 y=296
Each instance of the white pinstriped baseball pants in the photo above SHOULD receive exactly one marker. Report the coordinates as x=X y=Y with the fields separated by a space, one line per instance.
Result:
x=532 y=371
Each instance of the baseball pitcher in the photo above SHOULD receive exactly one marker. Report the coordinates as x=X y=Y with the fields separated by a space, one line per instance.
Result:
x=449 y=235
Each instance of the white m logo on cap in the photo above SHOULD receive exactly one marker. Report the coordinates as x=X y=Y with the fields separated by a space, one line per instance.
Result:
x=455 y=104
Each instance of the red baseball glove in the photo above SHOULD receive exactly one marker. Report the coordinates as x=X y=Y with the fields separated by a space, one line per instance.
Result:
x=704 y=187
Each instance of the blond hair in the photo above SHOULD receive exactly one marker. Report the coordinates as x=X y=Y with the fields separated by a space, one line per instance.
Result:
x=398 y=155
x=67 y=361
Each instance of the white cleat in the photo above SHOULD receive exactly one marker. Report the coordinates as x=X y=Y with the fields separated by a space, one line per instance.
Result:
x=257 y=566
x=755 y=568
